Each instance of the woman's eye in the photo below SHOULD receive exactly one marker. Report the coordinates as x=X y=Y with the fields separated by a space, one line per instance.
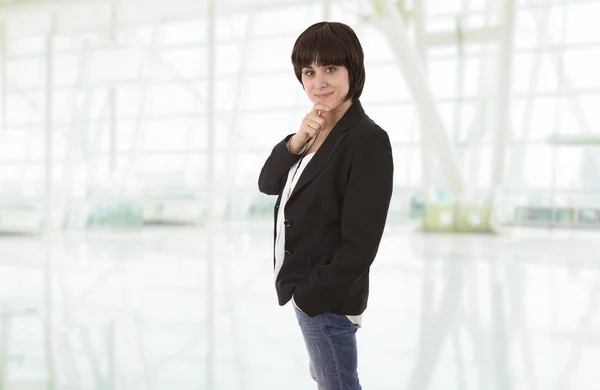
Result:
x=331 y=69
x=308 y=73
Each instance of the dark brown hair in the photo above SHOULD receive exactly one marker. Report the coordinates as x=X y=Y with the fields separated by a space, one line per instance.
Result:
x=331 y=43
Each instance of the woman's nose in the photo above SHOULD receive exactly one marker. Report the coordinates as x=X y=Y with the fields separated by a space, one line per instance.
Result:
x=320 y=80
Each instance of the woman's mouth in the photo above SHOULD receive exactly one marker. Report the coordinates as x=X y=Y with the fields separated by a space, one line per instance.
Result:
x=323 y=95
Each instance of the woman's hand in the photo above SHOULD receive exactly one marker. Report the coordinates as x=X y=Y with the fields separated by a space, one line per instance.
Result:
x=311 y=125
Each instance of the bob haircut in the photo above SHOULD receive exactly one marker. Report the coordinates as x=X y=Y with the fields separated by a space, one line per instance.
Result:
x=331 y=43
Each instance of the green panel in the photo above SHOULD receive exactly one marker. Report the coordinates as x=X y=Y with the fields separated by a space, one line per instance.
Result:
x=125 y=215
x=588 y=216
x=438 y=218
x=457 y=218
x=575 y=140
x=534 y=214
x=564 y=215
x=473 y=218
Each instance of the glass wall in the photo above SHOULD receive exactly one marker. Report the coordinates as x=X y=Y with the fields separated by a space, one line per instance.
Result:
x=104 y=107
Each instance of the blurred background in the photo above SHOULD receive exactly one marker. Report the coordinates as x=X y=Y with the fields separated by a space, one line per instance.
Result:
x=136 y=250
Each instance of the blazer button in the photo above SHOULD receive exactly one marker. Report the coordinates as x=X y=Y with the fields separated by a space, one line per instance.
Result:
x=287 y=223
x=287 y=253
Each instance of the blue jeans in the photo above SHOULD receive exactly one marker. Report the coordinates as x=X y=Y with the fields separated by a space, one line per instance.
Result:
x=331 y=343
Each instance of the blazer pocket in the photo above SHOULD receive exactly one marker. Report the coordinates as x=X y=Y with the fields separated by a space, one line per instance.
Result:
x=311 y=261
x=308 y=260
x=325 y=259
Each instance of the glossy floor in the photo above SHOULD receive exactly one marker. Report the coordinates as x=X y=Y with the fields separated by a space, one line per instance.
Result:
x=137 y=310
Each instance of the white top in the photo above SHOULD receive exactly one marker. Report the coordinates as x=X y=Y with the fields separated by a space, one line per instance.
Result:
x=293 y=176
x=295 y=173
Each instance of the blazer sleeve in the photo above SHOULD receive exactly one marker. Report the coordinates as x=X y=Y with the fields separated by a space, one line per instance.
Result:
x=364 y=213
x=274 y=171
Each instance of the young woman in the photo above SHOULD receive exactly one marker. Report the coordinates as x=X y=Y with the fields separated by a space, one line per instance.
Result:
x=333 y=178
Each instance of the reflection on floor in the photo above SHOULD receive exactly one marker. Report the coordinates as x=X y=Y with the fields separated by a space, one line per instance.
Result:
x=135 y=310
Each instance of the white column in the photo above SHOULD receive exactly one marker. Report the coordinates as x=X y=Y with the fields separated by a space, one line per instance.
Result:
x=3 y=76
x=49 y=125
x=503 y=97
x=427 y=156
x=112 y=98
x=211 y=108
x=210 y=184
x=145 y=65
x=326 y=10
x=226 y=186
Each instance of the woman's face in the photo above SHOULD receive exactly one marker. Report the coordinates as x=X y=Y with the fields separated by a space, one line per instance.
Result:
x=327 y=85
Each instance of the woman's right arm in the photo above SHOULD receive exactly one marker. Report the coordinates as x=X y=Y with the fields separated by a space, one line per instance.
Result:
x=283 y=156
x=275 y=169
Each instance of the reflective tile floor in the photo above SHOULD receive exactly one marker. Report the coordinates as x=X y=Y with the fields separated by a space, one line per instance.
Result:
x=138 y=310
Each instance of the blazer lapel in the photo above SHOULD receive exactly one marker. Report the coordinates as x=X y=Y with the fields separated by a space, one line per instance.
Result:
x=329 y=146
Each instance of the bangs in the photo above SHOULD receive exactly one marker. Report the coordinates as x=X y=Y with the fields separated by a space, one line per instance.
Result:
x=322 y=48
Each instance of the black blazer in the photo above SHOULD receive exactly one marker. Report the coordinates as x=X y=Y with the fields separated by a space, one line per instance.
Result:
x=335 y=216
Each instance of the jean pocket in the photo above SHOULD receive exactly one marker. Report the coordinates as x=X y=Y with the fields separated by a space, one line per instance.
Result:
x=340 y=321
x=295 y=305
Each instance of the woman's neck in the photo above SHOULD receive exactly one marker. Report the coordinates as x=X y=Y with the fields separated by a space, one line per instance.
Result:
x=333 y=117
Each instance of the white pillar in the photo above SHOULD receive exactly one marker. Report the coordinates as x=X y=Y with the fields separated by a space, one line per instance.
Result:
x=427 y=156
x=326 y=10
x=503 y=97
x=112 y=98
x=49 y=125
x=3 y=77
x=210 y=184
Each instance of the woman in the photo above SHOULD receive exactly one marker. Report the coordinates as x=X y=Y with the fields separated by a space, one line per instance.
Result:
x=333 y=178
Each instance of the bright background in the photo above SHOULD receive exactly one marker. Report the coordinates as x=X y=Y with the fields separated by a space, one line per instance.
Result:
x=135 y=247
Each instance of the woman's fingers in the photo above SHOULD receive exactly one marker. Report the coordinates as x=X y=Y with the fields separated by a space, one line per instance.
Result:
x=313 y=121
x=320 y=107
